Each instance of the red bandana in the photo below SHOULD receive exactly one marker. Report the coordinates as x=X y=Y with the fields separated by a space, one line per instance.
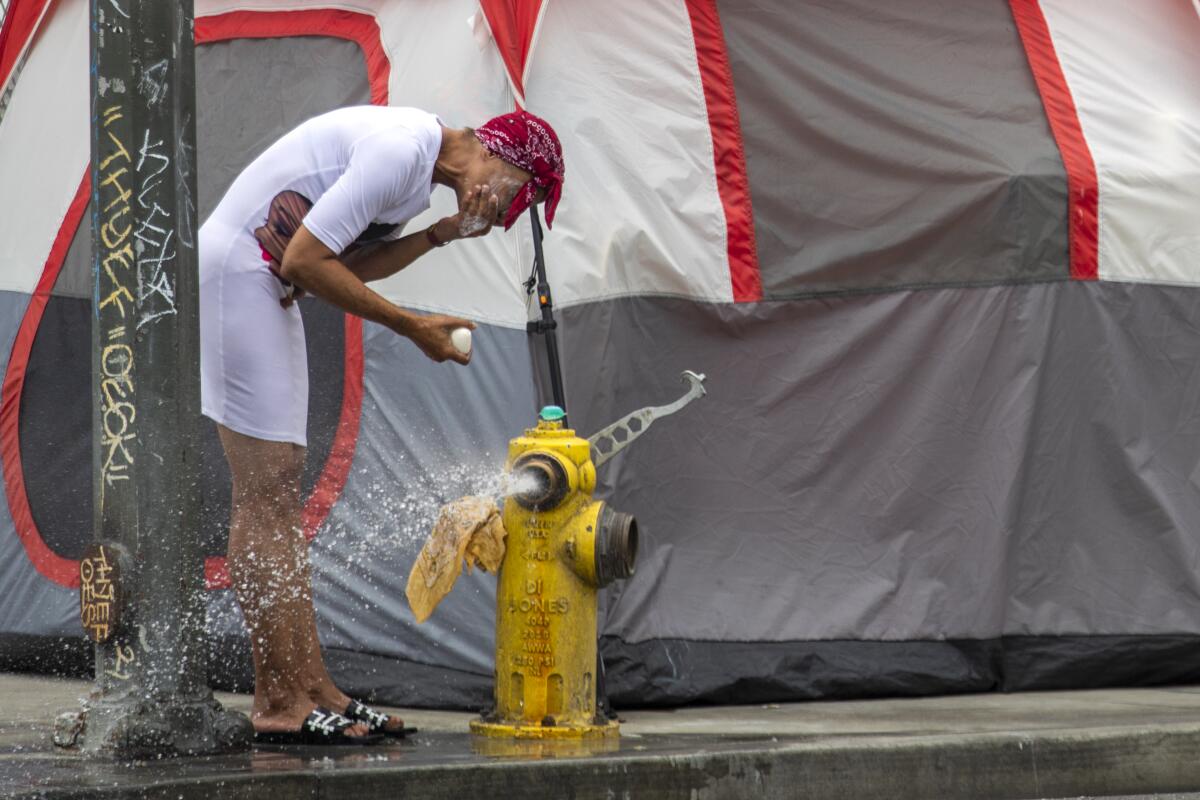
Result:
x=528 y=142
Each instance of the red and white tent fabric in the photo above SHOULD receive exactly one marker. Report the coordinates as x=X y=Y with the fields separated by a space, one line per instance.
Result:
x=1121 y=96
x=938 y=262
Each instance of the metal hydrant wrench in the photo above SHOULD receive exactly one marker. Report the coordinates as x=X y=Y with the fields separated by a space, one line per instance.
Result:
x=631 y=426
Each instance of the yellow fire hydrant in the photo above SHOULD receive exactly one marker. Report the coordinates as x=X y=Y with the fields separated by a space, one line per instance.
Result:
x=563 y=546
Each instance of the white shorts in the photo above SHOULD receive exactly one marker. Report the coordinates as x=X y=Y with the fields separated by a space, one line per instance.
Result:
x=253 y=362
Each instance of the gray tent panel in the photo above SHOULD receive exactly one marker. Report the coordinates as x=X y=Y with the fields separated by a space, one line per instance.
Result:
x=30 y=605
x=674 y=671
x=921 y=464
x=894 y=145
x=249 y=92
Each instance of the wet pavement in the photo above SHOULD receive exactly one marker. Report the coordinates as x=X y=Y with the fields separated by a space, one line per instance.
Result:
x=431 y=765
x=1044 y=745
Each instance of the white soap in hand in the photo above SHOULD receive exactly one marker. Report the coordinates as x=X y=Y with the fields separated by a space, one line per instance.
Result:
x=461 y=339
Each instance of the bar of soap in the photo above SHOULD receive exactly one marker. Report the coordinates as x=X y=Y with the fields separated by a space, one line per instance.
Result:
x=461 y=339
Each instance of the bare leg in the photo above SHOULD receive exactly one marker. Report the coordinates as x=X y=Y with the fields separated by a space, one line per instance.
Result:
x=272 y=580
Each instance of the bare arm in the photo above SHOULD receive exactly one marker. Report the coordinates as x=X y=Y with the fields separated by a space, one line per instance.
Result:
x=377 y=261
x=311 y=265
x=475 y=218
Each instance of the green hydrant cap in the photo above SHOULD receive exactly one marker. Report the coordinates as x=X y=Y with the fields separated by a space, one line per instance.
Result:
x=551 y=413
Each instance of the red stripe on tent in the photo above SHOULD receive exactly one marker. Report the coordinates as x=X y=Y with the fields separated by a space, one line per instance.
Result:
x=363 y=30
x=1082 y=191
x=216 y=573
x=512 y=23
x=63 y=571
x=20 y=23
x=729 y=154
x=359 y=28
x=337 y=466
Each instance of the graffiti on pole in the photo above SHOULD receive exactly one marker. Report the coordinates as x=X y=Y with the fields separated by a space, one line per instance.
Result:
x=99 y=592
x=114 y=283
x=137 y=259
x=155 y=234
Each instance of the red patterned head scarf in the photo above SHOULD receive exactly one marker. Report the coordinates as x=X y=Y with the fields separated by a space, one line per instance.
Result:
x=528 y=142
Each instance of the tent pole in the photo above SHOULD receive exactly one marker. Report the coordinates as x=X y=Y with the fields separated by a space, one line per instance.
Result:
x=546 y=326
x=141 y=581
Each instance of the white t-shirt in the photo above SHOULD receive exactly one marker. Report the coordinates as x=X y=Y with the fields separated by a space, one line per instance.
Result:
x=358 y=165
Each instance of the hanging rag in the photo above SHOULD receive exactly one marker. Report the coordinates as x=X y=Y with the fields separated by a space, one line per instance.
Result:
x=467 y=529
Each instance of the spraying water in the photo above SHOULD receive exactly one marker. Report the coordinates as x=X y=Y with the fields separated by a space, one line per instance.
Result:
x=522 y=483
x=397 y=517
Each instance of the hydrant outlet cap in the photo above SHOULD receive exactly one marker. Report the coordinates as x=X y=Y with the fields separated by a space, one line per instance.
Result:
x=551 y=413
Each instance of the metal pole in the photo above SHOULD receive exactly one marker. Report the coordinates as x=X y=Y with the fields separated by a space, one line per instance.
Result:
x=141 y=582
x=547 y=324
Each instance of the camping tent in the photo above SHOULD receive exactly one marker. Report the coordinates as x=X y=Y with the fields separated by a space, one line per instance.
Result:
x=936 y=258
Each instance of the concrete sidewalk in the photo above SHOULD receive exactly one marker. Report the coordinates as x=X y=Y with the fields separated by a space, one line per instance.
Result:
x=1035 y=745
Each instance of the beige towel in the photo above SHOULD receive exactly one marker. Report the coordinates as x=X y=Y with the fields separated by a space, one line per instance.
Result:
x=469 y=528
